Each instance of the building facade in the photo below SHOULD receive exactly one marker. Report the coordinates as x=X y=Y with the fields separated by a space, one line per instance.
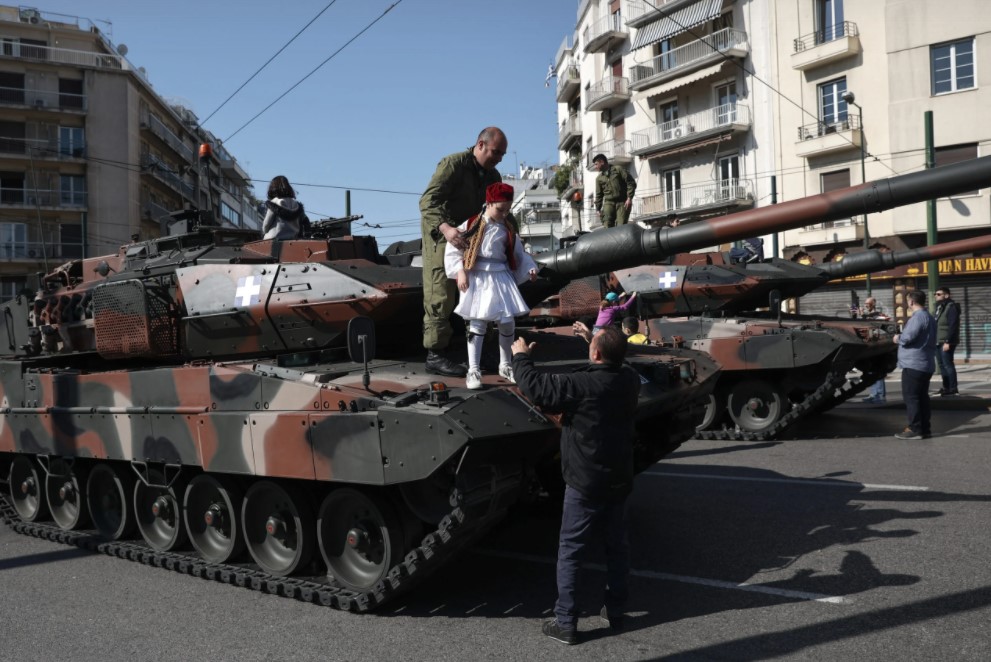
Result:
x=90 y=154
x=707 y=101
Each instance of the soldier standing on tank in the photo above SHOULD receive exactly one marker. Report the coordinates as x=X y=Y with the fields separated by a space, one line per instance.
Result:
x=455 y=193
x=614 y=189
x=947 y=339
x=598 y=403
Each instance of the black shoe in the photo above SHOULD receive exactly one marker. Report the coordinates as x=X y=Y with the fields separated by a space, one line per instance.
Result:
x=616 y=622
x=557 y=633
x=438 y=364
x=948 y=391
x=909 y=434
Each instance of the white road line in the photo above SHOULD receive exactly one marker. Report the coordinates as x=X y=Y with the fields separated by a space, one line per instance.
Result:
x=798 y=481
x=650 y=574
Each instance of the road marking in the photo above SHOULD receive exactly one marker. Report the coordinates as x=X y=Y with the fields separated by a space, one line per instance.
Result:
x=798 y=481
x=664 y=576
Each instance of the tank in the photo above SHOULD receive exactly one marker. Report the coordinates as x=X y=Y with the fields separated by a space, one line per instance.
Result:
x=776 y=369
x=257 y=413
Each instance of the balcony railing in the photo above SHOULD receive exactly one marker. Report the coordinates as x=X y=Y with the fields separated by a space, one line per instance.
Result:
x=616 y=151
x=691 y=56
x=603 y=32
x=693 y=128
x=68 y=56
x=608 y=92
x=41 y=149
x=576 y=183
x=833 y=32
x=37 y=250
x=165 y=174
x=638 y=12
x=648 y=205
x=158 y=127
x=571 y=129
x=45 y=99
x=154 y=210
x=819 y=129
x=21 y=197
x=568 y=82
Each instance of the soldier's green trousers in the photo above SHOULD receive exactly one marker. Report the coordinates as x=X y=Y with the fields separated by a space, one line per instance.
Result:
x=613 y=214
x=440 y=296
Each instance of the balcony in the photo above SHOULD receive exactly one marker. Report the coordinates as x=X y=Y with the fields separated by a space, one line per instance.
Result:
x=693 y=129
x=825 y=46
x=165 y=134
x=607 y=93
x=617 y=151
x=564 y=50
x=568 y=83
x=37 y=251
x=163 y=172
x=690 y=57
x=44 y=198
x=639 y=13
x=604 y=34
x=694 y=199
x=571 y=130
x=575 y=183
x=828 y=137
x=42 y=99
x=84 y=59
x=154 y=211
x=828 y=233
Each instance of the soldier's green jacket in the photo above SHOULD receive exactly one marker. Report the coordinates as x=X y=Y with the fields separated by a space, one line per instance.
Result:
x=455 y=193
x=614 y=185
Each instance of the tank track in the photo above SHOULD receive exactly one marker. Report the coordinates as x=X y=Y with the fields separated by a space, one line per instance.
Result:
x=456 y=530
x=826 y=391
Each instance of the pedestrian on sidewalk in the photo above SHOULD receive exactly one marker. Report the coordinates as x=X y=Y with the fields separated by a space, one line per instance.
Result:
x=947 y=339
x=917 y=359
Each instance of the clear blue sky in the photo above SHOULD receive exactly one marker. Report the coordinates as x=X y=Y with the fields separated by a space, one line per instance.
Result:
x=416 y=86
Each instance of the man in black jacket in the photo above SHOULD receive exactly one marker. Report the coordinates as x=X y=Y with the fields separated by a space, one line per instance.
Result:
x=947 y=338
x=598 y=403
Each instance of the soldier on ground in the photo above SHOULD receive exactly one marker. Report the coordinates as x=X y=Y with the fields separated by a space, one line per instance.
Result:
x=614 y=189
x=455 y=193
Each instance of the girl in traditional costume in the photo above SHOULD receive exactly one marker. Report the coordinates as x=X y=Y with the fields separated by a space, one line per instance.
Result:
x=489 y=272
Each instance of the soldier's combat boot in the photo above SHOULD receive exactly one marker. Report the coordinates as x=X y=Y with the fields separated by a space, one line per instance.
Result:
x=438 y=364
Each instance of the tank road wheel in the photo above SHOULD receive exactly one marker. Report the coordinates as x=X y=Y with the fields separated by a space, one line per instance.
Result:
x=715 y=409
x=756 y=405
x=65 y=496
x=211 y=506
x=158 y=513
x=360 y=538
x=26 y=490
x=278 y=528
x=108 y=498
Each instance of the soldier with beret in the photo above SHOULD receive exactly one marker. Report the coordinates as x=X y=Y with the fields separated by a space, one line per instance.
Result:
x=455 y=193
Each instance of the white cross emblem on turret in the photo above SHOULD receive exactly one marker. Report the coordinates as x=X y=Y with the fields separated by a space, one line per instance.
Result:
x=668 y=280
x=248 y=291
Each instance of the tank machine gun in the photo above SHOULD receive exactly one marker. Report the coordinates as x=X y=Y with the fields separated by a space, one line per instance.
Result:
x=218 y=391
x=774 y=371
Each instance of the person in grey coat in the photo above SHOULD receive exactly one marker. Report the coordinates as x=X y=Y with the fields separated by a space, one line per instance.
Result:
x=917 y=359
x=284 y=214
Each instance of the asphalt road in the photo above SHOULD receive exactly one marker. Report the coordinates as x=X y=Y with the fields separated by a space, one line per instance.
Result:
x=840 y=543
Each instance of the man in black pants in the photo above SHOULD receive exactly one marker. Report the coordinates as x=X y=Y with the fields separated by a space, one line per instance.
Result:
x=916 y=357
x=599 y=403
x=947 y=339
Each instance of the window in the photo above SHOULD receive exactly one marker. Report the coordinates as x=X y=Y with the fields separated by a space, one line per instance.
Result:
x=726 y=104
x=13 y=240
x=729 y=178
x=953 y=66
x=829 y=20
x=10 y=289
x=831 y=181
x=672 y=189
x=231 y=216
x=11 y=87
x=71 y=141
x=11 y=188
x=956 y=154
x=70 y=93
x=12 y=137
x=667 y=119
x=71 y=236
x=832 y=107
x=73 y=190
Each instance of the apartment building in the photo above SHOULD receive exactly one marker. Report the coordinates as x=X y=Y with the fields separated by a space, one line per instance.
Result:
x=705 y=101
x=90 y=154
x=536 y=208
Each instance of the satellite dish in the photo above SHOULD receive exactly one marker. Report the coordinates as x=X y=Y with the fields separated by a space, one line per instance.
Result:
x=122 y=49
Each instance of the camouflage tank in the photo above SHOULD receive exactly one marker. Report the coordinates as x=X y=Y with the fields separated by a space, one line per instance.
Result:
x=776 y=369
x=248 y=411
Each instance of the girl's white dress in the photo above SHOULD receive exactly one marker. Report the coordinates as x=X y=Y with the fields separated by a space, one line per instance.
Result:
x=493 y=293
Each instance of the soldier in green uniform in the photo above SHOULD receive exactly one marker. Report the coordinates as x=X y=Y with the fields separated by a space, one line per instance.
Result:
x=614 y=189
x=455 y=193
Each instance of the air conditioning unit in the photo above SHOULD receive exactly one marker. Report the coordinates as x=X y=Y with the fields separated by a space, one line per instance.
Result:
x=39 y=103
x=29 y=15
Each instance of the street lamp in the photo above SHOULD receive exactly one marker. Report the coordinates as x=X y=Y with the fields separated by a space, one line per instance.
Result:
x=850 y=98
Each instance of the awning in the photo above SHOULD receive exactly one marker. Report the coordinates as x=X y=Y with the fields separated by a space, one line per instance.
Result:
x=689 y=147
x=677 y=22
x=683 y=80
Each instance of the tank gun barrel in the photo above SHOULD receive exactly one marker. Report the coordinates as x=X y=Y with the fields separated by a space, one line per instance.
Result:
x=875 y=260
x=630 y=245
